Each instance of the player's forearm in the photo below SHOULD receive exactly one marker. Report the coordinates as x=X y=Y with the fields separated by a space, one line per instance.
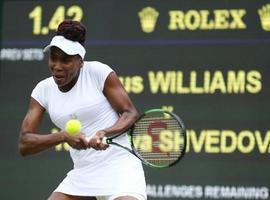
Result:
x=125 y=121
x=31 y=143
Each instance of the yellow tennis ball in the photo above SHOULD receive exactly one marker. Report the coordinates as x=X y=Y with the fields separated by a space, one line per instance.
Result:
x=73 y=126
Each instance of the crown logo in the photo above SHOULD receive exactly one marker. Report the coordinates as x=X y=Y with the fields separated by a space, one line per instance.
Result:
x=148 y=18
x=264 y=14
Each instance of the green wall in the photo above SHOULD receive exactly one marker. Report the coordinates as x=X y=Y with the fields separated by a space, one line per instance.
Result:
x=208 y=61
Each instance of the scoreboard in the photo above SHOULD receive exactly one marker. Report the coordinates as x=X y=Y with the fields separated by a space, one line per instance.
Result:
x=207 y=61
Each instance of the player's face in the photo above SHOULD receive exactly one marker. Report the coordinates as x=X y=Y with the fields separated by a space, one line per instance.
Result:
x=65 y=69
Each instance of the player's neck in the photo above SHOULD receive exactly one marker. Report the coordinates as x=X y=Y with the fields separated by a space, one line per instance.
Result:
x=70 y=85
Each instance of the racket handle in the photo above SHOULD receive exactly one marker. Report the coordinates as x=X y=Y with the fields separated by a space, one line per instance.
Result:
x=104 y=140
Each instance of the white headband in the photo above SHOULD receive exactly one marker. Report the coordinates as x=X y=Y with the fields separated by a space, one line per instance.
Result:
x=68 y=46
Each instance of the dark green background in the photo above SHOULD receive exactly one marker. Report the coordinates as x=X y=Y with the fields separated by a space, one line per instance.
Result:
x=115 y=38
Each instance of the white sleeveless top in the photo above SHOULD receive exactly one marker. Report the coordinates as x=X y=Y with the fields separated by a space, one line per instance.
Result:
x=95 y=173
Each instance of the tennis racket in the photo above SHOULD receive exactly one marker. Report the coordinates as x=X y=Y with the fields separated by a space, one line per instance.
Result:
x=158 y=138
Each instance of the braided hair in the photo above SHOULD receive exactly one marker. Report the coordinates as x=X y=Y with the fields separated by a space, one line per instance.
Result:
x=72 y=30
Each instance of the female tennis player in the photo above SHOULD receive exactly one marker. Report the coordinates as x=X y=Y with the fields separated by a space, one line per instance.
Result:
x=92 y=93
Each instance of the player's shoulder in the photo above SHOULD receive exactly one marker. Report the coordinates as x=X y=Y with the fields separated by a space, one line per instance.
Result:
x=47 y=82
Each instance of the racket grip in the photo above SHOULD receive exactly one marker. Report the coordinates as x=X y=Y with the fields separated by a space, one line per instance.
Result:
x=104 y=140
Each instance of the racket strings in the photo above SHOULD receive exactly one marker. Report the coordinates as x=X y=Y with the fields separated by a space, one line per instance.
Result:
x=159 y=139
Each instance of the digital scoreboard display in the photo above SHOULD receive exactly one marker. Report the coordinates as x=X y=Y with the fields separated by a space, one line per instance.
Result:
x=207 y=61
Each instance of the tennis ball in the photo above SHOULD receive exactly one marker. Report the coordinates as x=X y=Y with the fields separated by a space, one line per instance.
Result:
x=73 y=127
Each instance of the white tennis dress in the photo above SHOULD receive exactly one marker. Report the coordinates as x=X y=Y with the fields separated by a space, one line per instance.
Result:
x=95 y=173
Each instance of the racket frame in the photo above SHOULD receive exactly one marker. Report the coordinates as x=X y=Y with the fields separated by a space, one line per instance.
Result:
x=133 y=149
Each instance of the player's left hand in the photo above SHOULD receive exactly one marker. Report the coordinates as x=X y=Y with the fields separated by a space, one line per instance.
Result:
x=96 y=141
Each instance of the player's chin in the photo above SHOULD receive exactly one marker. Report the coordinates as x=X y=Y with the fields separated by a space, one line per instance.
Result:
x=59 y=81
